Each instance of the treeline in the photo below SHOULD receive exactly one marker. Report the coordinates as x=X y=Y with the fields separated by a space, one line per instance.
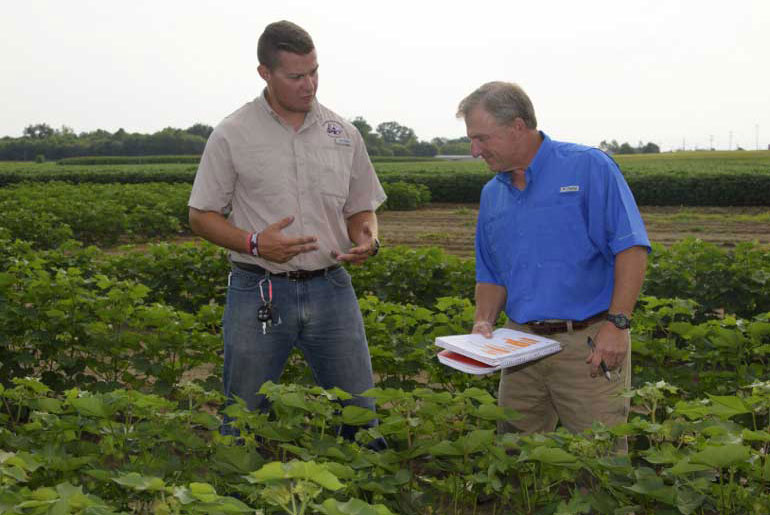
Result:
x=394 y=139
x=613 y=147
x=41 y=142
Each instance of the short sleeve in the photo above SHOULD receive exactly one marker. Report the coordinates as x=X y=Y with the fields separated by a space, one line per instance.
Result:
x=485 y=272
x=365 y=192
x=215 y=179
x=614 y=221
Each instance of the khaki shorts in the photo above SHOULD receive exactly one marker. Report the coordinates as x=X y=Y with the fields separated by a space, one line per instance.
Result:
x=559 y=387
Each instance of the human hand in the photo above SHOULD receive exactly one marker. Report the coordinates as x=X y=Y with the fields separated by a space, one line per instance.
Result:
x=611 y=346
x=362 y=251
x=279 y=248
x=482 y=327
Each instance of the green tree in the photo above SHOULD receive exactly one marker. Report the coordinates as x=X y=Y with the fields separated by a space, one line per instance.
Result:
x=422 y=148
x=38 y=131
x=362 y=125
x=394 y=132
x=200 y=129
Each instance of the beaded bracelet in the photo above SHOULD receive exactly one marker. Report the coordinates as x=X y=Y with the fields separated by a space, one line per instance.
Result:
x=254 y=244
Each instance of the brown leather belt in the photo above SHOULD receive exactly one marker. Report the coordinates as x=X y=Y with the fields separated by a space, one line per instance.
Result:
x=562 y=326
x=294 y=275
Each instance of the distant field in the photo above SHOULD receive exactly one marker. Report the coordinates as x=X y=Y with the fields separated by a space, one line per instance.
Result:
x=685 y=162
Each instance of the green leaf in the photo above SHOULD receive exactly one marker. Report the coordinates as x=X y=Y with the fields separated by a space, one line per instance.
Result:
x=726 y=406
x=351 y=507
x=551 y=455
x=203 y=492
x=722 y=456
x=755 y=436
x=90 y=407
x=140 y=483
x=686 y=467
x=445 y=448
x=309 y=470
x=357 y=416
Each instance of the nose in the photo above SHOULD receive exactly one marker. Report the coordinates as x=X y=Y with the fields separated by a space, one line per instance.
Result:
x=475 y=149
x=308 y=84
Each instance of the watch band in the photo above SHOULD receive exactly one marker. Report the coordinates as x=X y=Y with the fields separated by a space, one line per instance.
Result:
x=619 y=320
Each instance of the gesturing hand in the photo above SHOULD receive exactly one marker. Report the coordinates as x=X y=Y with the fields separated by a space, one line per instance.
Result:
x=279 y=248
x=362 y=251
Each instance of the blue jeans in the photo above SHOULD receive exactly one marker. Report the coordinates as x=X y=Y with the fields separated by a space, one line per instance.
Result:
x=319 y=315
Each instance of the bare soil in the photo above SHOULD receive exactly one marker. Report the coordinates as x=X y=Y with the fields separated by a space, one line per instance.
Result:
x=453 y=226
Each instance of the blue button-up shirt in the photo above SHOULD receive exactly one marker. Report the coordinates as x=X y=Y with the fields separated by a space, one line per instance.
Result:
x=553 y=244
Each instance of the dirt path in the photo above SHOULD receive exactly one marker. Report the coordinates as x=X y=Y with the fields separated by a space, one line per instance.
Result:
x=452 y=226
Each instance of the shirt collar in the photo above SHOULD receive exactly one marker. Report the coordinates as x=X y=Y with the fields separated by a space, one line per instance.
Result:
x=537 y=162
x=540 y=157
x=310 y=118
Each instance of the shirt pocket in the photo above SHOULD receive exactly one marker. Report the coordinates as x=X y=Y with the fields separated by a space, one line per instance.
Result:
x=335 y=169
x=561 y=234
x=264 y=170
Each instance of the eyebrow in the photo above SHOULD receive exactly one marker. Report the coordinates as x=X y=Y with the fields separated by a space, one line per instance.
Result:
x=299 y=74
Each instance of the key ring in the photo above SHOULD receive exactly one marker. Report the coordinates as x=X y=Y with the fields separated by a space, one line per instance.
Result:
x=269 y=289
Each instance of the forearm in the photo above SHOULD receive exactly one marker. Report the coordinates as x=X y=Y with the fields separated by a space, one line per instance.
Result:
x=630 y=267
x=490 y=301
x=356 y=227
x=214 y=227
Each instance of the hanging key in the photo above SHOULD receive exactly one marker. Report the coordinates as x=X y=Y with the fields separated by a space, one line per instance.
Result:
x=265 y=315
x=265 y=311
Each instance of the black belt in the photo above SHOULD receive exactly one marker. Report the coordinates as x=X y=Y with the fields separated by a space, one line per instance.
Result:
x=294 y=275
x=562 y=326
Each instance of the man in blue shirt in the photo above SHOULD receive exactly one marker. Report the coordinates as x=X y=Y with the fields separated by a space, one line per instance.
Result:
x=561 y=247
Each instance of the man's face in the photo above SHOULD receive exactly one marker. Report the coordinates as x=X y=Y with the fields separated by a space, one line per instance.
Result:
x=497 y=144
x=293 y=83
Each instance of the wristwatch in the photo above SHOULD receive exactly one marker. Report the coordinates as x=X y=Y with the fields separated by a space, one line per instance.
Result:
x=375 y=247
x=620 y=320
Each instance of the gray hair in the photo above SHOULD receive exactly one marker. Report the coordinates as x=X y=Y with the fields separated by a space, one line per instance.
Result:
x=505 y=101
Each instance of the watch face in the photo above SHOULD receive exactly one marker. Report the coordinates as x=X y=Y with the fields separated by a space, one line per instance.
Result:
x=620 y=320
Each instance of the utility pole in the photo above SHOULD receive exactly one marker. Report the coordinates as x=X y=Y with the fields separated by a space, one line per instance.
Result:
x=711 y=142
x=730 y=146
x=756 y=135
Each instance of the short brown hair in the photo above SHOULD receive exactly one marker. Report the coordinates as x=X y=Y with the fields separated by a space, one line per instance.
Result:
x=282 y=35
x=505 y=101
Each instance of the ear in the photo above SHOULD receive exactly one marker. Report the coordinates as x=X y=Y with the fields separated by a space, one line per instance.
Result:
x=264 y=72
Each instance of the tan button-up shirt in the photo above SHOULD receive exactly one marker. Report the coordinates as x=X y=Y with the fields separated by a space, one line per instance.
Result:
x=259 y=170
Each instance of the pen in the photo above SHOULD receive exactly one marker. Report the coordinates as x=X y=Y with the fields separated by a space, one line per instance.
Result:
x=606 y=371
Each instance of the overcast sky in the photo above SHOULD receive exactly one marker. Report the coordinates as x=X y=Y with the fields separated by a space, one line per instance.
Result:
x=671 y=72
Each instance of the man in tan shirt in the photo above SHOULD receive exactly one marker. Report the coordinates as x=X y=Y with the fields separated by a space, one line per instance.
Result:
x=287 y=186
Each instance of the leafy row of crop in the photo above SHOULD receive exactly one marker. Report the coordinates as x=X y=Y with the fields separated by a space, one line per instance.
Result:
x=106 y=214
x=60 y=310
x=733 y=280
x=127 y=160
x=699 y=439
x=103 y=214
x=699 y=456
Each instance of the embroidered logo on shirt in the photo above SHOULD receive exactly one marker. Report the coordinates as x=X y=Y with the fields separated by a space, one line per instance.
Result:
x=333 y=129
x=567 y=189
x=342 y=141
